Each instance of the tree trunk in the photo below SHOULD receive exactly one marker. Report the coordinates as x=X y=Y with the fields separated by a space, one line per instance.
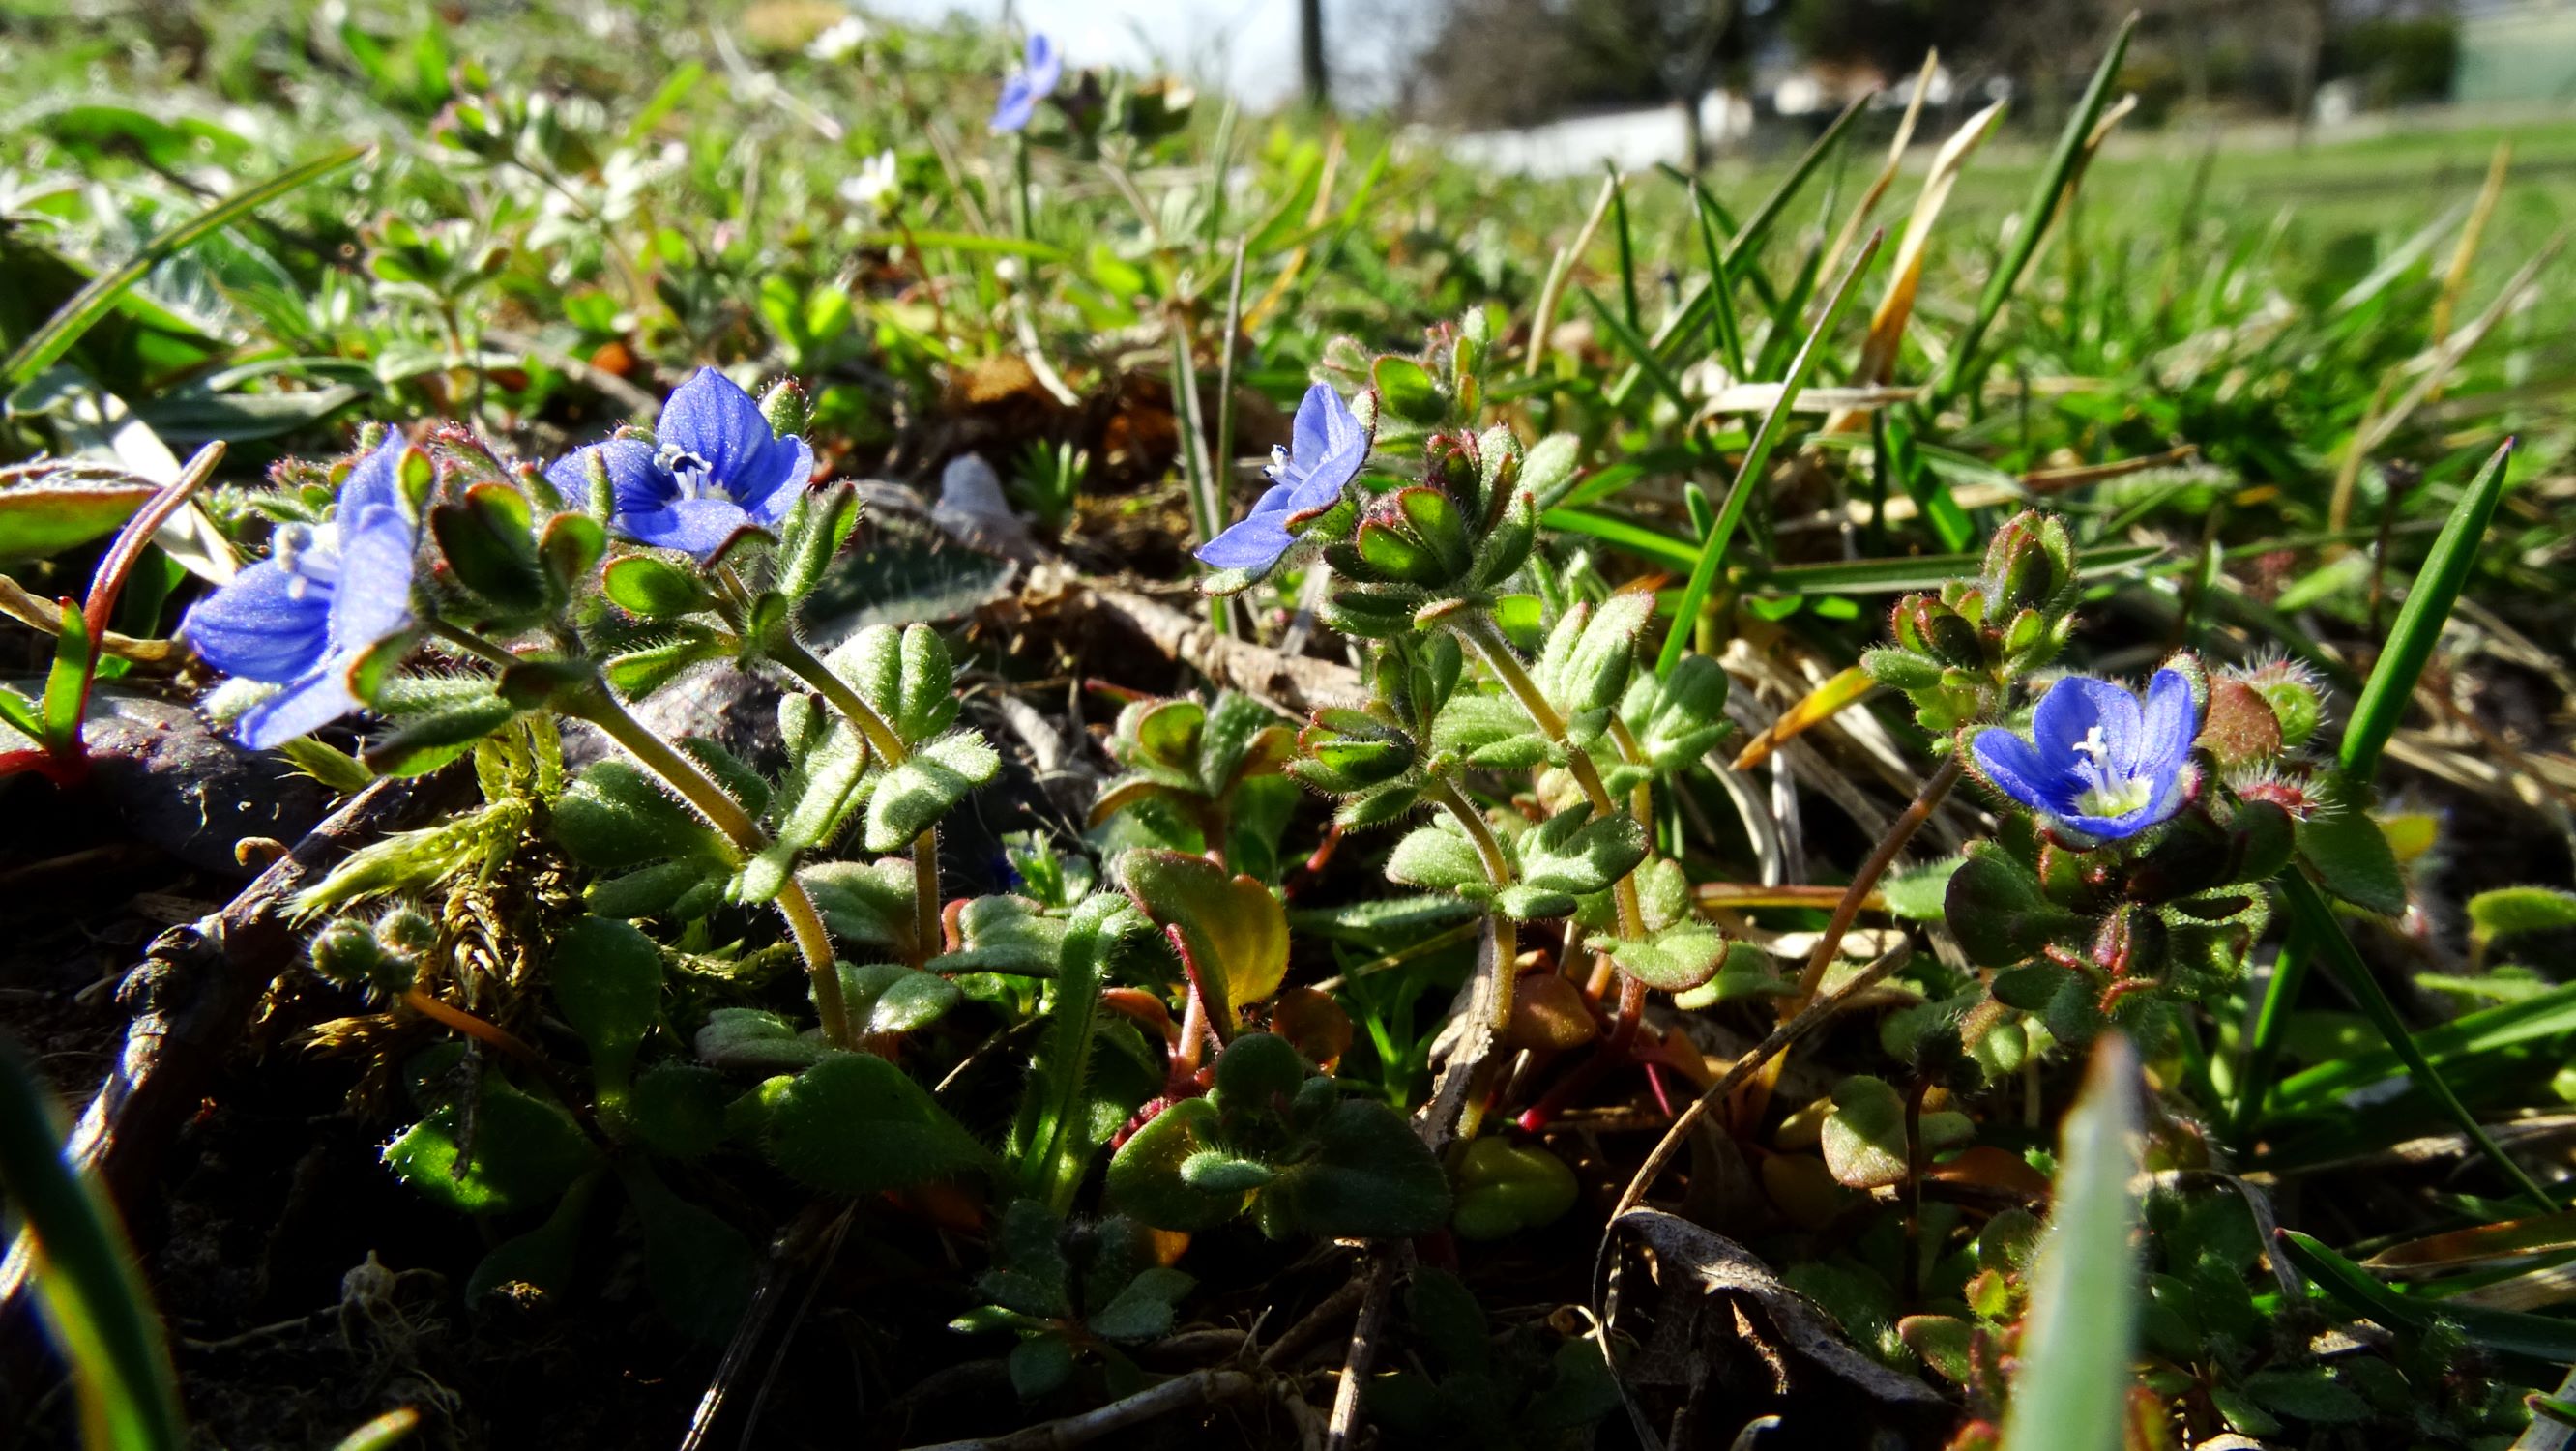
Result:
x=1310 y=53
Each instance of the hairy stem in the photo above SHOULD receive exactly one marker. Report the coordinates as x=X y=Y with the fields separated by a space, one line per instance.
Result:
x=1499 y=656
x=1498 y=870
x=602 y=709
x=800 y=662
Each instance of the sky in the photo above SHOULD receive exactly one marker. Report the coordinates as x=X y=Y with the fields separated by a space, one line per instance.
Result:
x=1251 y=45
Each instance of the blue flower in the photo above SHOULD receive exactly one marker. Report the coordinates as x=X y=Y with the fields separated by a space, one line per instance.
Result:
x=714 y=469
x=2097 y=761
x=307 y=615
x=1033 y=82
x=1304 y=482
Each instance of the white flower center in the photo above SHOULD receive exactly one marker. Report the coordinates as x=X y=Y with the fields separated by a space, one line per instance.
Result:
x=2113 y=795
x=693 y=474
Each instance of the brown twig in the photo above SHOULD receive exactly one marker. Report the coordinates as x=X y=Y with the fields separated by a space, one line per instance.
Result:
x=193 y=995
x=1365 y=1337
x=1744 y=1068
x=1295 y=682
x=1198 y=1388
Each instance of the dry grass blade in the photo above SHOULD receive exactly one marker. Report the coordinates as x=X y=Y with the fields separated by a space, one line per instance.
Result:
x=1543 y=321
x=2455 y=278
x=2485 y=1244
x=1886 y=177
x=1846 y=687
x=1896 y=308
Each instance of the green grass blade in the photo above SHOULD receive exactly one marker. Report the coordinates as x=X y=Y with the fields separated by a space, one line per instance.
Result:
x=2314 y=919
x=64 y=328
x=2374 y=719
x=2419 y=623
x=87 y=1286
x=1712 y=549
x=1619 y=232
x=1748 y=240
x=1721 y=283
x=2541 y=1337
x=2542 y=1015
x=2036 y=214
x=2072 y=1391
x=1636 y=538
x=1644 y=352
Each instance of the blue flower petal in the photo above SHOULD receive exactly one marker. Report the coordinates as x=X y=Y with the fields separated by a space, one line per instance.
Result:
x=1018 y=104
x=637 y=483
x=710 y=416
x=310 y=703
x=1256 y=543
x=2015 y=769
x=373 y=599
x=697 y=527
x=2072 y=710
x=2170 y=723
x=263 y=625
x=1045 y=64
x=375 y=480
x=782 y=473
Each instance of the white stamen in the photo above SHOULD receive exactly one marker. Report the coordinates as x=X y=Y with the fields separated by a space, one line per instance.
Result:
x=685 y=468
x=2092 y=745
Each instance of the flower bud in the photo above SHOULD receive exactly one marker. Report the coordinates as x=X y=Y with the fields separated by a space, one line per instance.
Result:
x=2028 y=562
x=1945 y=635
x=345 y=952
x=2294 y=693
x=785 y=408
x=407 y=931
x=2241 y=727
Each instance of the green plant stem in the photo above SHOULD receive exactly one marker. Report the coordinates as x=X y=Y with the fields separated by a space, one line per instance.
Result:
x=813 y=943
x=1498 y=870
x=801 y=663
x=1487 y=641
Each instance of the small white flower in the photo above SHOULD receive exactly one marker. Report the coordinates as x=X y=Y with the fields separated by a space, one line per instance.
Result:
x=840 y=42
x=874 y=184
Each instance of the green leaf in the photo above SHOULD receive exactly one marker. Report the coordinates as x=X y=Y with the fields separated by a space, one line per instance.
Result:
x=1864 y=1137
x=1439 y=856
x=615 y=815
x=1213 y=1172
x=1575 y=852
x=607 y=980
x=1942 y=1341
x=1920 y=894
x=1679 y=717
x=1005 y=934
x=653 y=587
x=867 y=904
x=1995 y=908
x=1505 y=1188
x=1143 y=1310
x=526 y=1153
x=2071 y=1390
x=700 y=1268
x=333 y=767
x=817 y=525
x=639 y=673
x=487 y=539
x=89 y=1288
x=1233 y=926
x=1583 y=669
x=1406 y=393
x=49 y=514
x=677 y=1109
x=1040 y=1365
x=886 y=998
x=2509 y=910
x=1145 y=1177
x=1241 y=738
x=2351 y=858
x=1370 y=1178
x=1548 y=469
x=543 y=1258
x=1050 y=1135
x=913 y=796
x=47 y=343
x=2308 y=1392
x=749 y=1038
x=856 y=1124
x=1676 y=959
